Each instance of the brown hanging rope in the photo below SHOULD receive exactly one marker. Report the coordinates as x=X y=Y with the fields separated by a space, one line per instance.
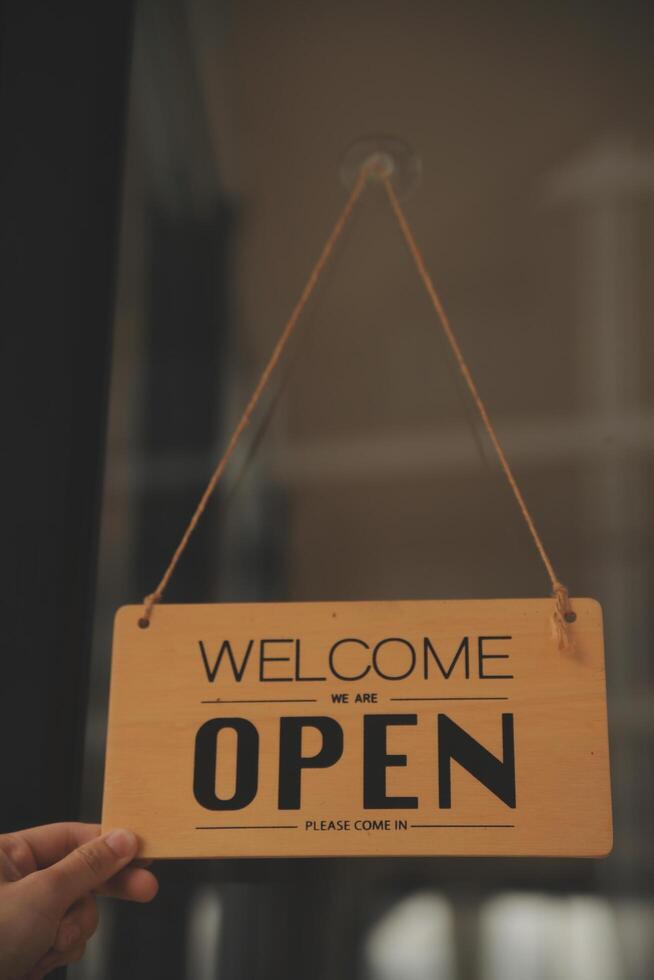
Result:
x=150 y=601
x=562 y=613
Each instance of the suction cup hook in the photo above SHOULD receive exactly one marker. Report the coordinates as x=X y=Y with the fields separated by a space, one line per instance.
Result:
x=384 y=156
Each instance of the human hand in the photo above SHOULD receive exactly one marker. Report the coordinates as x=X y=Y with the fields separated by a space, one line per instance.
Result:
x=49 y=877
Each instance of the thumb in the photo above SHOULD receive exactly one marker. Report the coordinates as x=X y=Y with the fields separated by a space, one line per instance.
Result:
x=86 y=868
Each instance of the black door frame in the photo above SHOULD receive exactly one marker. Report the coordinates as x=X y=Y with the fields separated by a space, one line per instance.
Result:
x=63 y=83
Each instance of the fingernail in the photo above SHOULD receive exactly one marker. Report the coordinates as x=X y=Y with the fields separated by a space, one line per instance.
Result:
x=69 y=935
x=122 y=842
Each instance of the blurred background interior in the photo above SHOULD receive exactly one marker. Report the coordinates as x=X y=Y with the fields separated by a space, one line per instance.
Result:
x=366 y=474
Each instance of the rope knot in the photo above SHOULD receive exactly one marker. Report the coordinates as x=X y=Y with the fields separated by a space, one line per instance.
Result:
x=148 y=606
x=562 y=616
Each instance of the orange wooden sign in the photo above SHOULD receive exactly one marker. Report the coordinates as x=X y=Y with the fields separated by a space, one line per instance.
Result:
x=359 y=728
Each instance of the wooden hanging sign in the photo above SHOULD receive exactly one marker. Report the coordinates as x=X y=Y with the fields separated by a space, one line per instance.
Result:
x=359 y=728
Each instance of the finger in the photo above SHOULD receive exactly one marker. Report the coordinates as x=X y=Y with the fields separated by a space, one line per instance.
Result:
x=85 y=869
x=53 y=960
x=132 y=884
x=74 y=955
x=52 y=842
x=38 y=973
x=45 y=965
x=16 y=858
x=78 y=925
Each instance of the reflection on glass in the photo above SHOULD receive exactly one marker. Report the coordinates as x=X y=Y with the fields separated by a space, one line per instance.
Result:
x=413 y=941
x=537 y=937
x=203 y=935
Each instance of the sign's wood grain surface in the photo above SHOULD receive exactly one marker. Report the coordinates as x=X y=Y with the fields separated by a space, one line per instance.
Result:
x=359 y=728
